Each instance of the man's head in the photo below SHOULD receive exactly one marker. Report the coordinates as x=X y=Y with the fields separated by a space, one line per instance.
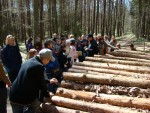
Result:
x=90 y=37
x=46 y=55
x=48 y=43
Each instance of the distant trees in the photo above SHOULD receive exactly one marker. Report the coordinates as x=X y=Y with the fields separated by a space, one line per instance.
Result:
x=41 y=18
x=140 y=11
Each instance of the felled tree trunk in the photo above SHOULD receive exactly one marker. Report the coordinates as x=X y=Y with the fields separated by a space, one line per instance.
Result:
x=89 y=106
x=129 y=55
x=56 y=109
x=91 y=70
x=116 y=100
x=121 y=58
x=131 y=52
x=134 y=63
x=136 y=69
x=107 y=79
x=118 y=90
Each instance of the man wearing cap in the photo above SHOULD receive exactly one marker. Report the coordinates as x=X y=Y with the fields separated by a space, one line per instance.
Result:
x=30 y=80
x=92 y=47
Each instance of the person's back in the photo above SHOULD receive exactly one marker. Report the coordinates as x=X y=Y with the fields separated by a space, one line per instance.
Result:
x=26 y=87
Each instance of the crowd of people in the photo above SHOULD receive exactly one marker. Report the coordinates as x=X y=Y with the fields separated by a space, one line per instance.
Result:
x=41 y=74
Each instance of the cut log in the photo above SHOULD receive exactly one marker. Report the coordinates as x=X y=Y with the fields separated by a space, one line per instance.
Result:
x=56 y=109
x=116 y=100
x=118 y=90
x=129 y=55
x=82 y=71
x=107 y=79
x=131 y=52
x=90 y=70
x=134 y=63
x=121 y=58
x=137 y=69
x=89 y=106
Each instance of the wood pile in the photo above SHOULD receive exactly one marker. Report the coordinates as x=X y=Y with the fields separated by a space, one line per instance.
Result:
x=115 y=83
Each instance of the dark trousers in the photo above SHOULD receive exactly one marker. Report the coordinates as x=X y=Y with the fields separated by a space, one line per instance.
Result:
x=13 y=75
x=3 y=100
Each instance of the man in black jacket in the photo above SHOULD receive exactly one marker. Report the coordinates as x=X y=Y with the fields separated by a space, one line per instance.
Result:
x=30 y=80
x=92 y=47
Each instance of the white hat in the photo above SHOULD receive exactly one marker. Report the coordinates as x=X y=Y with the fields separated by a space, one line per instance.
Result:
x=46 y=53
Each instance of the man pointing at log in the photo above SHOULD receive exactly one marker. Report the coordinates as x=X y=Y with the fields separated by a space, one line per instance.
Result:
x=24 y=92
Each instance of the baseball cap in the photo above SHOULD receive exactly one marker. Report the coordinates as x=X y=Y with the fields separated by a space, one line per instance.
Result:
x=47 y=53
x=90 y=36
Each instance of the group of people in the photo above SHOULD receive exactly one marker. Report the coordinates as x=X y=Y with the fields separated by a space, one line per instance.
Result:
x=41 y=74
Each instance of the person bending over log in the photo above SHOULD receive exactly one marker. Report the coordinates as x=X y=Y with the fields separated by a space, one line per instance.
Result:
x=24 y=92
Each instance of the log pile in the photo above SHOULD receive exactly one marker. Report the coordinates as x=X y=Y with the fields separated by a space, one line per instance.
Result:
x=115 y=83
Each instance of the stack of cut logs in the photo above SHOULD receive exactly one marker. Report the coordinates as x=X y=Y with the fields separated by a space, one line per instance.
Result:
x=115 y=83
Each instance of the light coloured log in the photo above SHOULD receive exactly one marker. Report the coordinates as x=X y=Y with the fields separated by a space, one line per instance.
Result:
x=121 y=58
x=129 y=55
x=56 y=109
x=89 y=106
x=90 y=70
x=137 y=69
x=105 y=60
x=117 y=100
x=107 y=79
x=118 y=90
x=132 y=52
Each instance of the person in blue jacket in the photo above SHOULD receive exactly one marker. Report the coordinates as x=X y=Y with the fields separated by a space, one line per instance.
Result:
x=52 y=68
x=11 y=58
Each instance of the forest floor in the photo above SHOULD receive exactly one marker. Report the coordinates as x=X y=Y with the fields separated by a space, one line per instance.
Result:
x=124 y=41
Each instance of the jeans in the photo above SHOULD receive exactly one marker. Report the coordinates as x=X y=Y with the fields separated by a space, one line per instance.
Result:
x=32 y=108
x=3 y=100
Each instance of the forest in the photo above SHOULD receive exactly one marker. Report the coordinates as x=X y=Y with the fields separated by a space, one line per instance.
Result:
x=41 y=18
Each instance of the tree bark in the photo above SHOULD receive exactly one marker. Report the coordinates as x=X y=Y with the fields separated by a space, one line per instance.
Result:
x=129 y=55
x=105 y=60
x=91 y=70
x=117 y=100
x=107 y=79
x=121 y=58
x=107 y=89
x=136 y=69
x=89 y=107
x=56 y=109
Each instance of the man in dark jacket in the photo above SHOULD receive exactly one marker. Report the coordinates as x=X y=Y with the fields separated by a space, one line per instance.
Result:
x=92 y=47
x=24 y=92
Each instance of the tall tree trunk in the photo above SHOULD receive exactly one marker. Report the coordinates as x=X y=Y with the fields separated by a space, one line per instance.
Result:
x=75 y=18
x=41 y=21
x=29 y=29
x=104 y=17
x=36 y=18
x=94 y=9
x=88 y=7
x=97 y=17
x=22 y=21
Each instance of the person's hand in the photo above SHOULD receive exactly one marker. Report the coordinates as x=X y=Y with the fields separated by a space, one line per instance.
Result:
x=53 y=80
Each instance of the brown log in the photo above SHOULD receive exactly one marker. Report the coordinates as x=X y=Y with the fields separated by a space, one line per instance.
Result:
x=118 y=90
x=116 y=100
x=105 y=60
x=129 y=55
x=82 y=71
x=56 y=109
x=107 y=79
x=89 y=106
x=121 y=58
x=137 y=69
x=131 y=52
x=90 y=70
